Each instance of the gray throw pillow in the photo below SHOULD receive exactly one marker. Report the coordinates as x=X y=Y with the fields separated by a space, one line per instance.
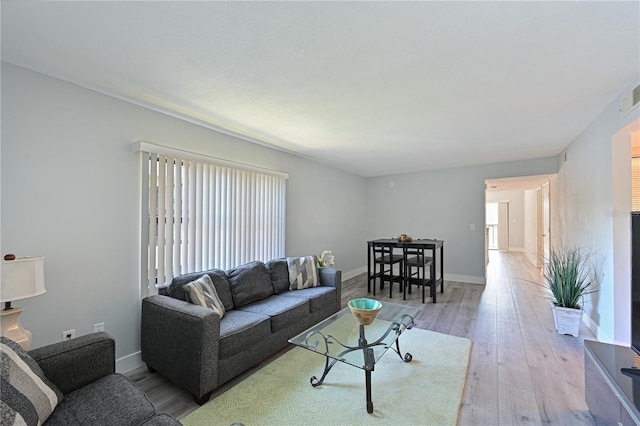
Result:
x=279 y=272
x=202 y=292
x=28 y=397
x=218 y=277
x=249 y=283
x=303 y=272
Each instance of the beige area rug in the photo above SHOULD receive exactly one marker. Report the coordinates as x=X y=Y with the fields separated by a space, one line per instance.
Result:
x=426 y=391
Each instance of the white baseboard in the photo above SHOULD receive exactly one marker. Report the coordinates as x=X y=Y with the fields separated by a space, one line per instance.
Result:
x=517 y=249
x=129 y=363
x=597 y=331
x=465 y=279
x=354 y=273
x=531 y=257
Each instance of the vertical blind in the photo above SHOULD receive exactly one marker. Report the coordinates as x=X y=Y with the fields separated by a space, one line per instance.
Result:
x=199 y=215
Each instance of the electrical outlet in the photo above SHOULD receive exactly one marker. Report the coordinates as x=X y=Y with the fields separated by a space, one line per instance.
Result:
x=68 y=335
x=98 y=327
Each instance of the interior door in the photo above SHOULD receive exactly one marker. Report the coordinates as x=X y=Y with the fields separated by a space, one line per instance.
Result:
x=546 y=226
x=491 y=225
x=539 y=228
x=503 y=225
x=543 y=227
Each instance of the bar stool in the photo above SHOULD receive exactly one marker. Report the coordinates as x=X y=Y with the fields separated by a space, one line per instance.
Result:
x=416 y=267
x=385 y=259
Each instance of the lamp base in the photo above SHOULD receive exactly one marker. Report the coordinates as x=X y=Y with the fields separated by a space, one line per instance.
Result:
x=10 y=327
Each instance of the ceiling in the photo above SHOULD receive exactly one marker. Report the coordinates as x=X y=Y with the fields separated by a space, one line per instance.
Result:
x=373 y=88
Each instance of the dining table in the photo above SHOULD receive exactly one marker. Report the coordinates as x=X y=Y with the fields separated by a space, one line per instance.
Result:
x=437 y=255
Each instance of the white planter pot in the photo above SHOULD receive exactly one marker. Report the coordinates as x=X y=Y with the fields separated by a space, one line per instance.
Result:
x=567 y=320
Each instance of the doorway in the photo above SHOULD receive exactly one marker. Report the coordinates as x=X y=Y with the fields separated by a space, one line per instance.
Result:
x=518 y=215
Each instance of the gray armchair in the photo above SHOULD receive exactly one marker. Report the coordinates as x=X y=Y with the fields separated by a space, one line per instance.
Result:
x=84 y=371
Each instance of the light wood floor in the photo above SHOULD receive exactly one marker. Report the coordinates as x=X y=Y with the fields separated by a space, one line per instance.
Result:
x=521 y=371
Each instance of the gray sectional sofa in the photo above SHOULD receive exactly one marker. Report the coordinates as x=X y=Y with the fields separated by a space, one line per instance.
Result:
x=191 y=346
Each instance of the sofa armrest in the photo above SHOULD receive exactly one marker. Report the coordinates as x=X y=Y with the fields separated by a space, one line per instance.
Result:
x=181 y=341
x=332 y=278
x=75 y=363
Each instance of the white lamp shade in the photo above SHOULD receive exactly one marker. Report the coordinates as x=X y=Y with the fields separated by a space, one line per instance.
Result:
x=22 y=278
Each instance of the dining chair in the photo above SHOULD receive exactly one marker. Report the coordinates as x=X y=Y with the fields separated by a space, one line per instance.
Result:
x=416 y=267
x=384 y=261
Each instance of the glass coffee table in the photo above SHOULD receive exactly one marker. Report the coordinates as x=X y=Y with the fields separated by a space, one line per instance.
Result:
x=341 y=338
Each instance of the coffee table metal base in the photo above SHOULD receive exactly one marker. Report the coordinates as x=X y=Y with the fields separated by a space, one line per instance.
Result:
x=369 y=359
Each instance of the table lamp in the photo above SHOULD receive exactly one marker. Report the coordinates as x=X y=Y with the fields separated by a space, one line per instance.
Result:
x=22 y=277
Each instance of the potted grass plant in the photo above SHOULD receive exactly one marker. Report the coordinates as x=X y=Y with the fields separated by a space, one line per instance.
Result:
x=569 y=274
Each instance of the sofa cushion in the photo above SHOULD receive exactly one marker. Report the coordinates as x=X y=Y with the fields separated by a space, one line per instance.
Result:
x=249 y=283
x=218 y=277
x=28 y=397
x=283 y=311
x=279 y=273
x=110 y=400
x=202 y=292
x=318 y=297
x=303 y=272
x=240 y=330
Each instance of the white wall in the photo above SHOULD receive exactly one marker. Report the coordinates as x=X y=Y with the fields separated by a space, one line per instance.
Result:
x=516 y=216
x=622 y=204
x=442 y=204
x=585 y=212
x=70 y=192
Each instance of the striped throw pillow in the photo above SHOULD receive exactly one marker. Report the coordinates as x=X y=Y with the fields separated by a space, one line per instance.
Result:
x=303 y=272
x=28 y=397
x=202 y=292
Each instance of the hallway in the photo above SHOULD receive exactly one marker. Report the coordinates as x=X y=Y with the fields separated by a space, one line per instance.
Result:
x=522 y=371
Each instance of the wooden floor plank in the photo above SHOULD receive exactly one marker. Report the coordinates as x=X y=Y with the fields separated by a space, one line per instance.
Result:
x=554 y=402
x=463 y=325
x=480 y=402
x=513 y=370
x=518 y=407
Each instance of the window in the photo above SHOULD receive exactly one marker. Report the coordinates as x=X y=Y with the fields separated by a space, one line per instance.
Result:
x=200 y=213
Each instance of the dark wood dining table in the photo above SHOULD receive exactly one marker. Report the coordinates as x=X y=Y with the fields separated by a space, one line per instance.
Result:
x=437 y=254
